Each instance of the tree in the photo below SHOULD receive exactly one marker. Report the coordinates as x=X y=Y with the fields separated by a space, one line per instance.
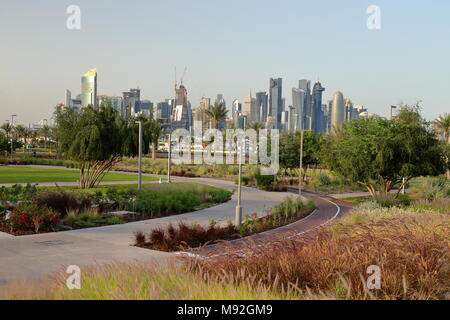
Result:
x=7 y=128
x=289 y=148
x=378 y=154
x=255 y=126
x=5 y=143
x=442 y=127
x=23 y=133
x=154 y=131
x=45 y=132
x=216 y=113
x=92 y=137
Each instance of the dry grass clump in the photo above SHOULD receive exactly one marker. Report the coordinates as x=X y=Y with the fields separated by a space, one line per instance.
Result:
x=413 y=255
x=139 y=282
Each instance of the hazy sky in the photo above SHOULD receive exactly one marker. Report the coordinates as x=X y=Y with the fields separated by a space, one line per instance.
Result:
x=228 y=46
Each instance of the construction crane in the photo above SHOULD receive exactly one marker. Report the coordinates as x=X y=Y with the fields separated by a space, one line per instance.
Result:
x=182 y=77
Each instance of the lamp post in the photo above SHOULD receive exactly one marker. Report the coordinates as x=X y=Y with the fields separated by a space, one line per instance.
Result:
x=238 y=214
x=300 y=177
x=140 y=156
x=169 y=158
x=11 y=141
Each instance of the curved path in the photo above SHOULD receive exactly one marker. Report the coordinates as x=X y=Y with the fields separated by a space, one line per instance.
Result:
x=35 y=256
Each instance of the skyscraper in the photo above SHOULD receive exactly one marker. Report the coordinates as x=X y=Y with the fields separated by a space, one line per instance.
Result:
x=89 y=89
x=317 y=113
x=262 y=106
x=131 y=102
x=276 y=100
x=249 y=108
x=308 y=114
x=299 y=109
x=181 y=114
x=337 y=109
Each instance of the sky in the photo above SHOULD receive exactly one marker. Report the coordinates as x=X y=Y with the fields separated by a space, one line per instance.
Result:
x=228 y=47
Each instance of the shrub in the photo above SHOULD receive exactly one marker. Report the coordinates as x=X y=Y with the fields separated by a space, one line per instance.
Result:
x=29 y=218
x=62 y=202
x=433 y=189
x=324 y=179
x=17 y=193
x=264 y=181
x=185 y=236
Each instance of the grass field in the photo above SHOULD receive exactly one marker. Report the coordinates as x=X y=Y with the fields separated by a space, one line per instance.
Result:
x=42 y=175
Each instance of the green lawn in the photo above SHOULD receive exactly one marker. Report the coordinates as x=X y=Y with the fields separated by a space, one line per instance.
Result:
x=41 y=175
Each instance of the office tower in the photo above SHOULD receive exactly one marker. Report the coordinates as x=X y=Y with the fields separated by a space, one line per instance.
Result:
x=241 y=121
x=249 y=108
x=300 y=109
x=131 y=102
x=181 y=113
x=337 y=109
x=68 y=99
x=317 y=113
x=262 y=105
x=325 y=119
x=276 y=100
x=205 y=103
x=308 y=114
x=220 y=100
x=292 y=117
x=146 y=108
x=89 y=89
x=348 y=108
x=236 y=108
x=361 y=112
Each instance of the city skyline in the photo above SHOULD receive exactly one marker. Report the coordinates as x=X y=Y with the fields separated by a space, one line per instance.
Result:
x=37 y=68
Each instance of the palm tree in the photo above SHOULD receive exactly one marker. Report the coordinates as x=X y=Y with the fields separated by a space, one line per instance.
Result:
x=7 y=128
x=22 y=132
x=442 y=126
x=216 y=113
x=255 y=126
x=45 y=132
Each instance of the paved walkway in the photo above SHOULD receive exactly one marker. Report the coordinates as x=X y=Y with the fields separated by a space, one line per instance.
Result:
x=36 y=256
x=39 y=255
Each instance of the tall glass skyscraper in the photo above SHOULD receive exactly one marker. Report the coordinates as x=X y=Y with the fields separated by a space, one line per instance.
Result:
x=318 y=115
x=89 y=88
x=262 y=106
x=337 y=109
x=276 y=100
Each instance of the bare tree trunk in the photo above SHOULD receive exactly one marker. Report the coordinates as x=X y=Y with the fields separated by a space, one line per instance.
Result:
x=153 y=151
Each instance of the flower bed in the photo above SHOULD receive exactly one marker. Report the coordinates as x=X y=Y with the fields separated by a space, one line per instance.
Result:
x=185 y=236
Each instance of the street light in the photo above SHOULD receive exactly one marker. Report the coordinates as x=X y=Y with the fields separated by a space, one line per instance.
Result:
x=238 y=215
x=140 y=156
x=301 y=165
x=169 y=158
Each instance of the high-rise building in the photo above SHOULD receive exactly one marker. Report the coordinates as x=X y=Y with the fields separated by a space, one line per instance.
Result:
x=249 y=108
x=276 y=100
x=236 y=109
x=300 y=109
x=220 y=100
x=337 y=109
x=131 y=102
x=146 y=108
x=68 y=99
x=317 y=113
x=181 y=114
x=89 y=89
x=262 y=106
x=308 y=114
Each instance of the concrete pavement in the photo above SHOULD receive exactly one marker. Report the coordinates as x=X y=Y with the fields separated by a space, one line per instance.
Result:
x=35 y=256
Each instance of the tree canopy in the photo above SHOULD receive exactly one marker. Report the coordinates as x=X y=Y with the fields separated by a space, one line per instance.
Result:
x=379 y=153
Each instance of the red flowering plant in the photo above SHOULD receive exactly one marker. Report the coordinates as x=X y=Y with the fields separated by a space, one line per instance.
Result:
x=29 y=218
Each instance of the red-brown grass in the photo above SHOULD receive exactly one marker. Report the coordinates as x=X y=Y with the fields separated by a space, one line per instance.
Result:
x=413 y=255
